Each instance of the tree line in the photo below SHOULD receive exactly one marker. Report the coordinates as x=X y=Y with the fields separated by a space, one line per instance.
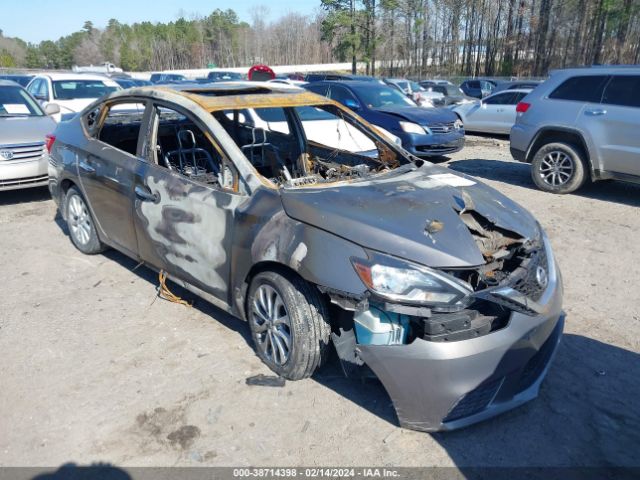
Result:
x=391 y=37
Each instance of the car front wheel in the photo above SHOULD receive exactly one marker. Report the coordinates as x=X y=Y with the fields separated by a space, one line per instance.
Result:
x=289 y=324
x=559 y=168
x=82 y=229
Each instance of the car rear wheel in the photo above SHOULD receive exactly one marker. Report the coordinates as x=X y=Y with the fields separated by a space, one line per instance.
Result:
x=82 y=229
x=289 y=324
x=559 y=168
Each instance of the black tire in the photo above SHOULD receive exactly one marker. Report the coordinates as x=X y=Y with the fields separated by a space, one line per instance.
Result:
x=559 y=168
x=80 y=222
x=308 y=326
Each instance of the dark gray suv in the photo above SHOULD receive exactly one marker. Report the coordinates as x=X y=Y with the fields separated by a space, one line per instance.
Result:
x=581 y=124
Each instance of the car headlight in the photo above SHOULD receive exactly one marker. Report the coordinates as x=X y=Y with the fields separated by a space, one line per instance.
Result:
x=407 y=282
x=410 y=127
x=458 y=125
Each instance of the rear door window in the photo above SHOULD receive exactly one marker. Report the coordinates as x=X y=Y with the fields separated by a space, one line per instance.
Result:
x=501 y=99
x=587 y=88
x=121 y=126
x=623 y=90
x=517 y=97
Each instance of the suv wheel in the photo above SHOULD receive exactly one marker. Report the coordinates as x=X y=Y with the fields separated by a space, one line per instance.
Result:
x=559 y=168
x=289 y=324
x=80 y=222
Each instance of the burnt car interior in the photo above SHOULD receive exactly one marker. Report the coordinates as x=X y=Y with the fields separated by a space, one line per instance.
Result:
x=182 y=146
x=306 y=145
x=121 y=126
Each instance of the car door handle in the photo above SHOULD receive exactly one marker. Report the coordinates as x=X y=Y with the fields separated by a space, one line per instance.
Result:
x=86 y=168
x=143 y=193
x=594 y=112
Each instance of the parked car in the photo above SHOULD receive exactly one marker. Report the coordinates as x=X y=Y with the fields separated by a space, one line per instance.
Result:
x=478 y=88
x=425 y=132
x=167 y=78
x=516 y=85
x=415 y=92
x=24 y=127
x=452 y=94
x=431 y=83
x=222 y=76
x=22 y=80
x=444 y=288
x=321 y=77
x=580 y=124
x=319 y=126
x=493 y=114
x=126 y=82
x=70 y=91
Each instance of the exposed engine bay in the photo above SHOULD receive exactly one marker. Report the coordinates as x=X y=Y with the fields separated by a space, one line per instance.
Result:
x=510 y=261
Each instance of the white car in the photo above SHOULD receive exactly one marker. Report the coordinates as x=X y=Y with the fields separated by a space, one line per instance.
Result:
x=493 y=114
x=319 y=126
x=70 y=91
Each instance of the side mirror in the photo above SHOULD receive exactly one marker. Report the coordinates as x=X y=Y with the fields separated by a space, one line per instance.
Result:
x=352 y=104
x=52 y=109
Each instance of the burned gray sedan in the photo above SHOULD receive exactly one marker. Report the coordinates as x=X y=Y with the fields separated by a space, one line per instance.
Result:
x=287 y=210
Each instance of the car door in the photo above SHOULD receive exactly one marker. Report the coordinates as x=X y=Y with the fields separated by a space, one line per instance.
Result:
x=488 y=117
x=183 y=212
x=506 y=114
x=614 y=125
x=107 y=165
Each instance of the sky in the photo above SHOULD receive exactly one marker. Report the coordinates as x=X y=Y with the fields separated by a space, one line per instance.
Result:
x=37 y=20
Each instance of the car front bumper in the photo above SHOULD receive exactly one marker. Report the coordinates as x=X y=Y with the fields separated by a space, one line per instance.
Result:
x=17 y=174
x=448 y=385
x=433 y=145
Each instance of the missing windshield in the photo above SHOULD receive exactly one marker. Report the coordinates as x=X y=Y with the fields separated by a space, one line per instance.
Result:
x=309 y=144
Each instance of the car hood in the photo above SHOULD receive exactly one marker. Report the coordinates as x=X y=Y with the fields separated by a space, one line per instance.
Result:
x=15 y=130
x=421 y=116
x=414 y=215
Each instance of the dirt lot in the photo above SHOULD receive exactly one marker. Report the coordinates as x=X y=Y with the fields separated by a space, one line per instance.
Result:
x=95 y=368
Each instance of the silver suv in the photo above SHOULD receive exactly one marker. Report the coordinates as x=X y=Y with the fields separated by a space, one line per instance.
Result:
x=581 y=124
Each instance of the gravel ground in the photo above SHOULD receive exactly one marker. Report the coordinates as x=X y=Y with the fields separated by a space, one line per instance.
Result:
x=96 y=369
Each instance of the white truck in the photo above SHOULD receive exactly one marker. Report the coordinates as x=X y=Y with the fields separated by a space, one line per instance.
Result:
x=105 y=67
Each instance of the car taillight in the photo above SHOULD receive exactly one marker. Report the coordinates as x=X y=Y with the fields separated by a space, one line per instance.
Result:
x=522 y=107
x=48 y=141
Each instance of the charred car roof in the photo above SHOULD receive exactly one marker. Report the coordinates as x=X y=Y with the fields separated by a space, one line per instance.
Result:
x=232 y=95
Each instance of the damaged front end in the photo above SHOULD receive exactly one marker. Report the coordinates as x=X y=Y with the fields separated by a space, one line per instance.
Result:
x=453 y=346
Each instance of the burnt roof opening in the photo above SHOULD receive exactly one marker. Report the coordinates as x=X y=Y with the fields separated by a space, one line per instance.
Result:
x=230 y=91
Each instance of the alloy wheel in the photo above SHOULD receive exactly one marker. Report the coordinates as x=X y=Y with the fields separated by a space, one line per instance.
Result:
x=79 y=220
x=271 y=324
x=556 y=168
